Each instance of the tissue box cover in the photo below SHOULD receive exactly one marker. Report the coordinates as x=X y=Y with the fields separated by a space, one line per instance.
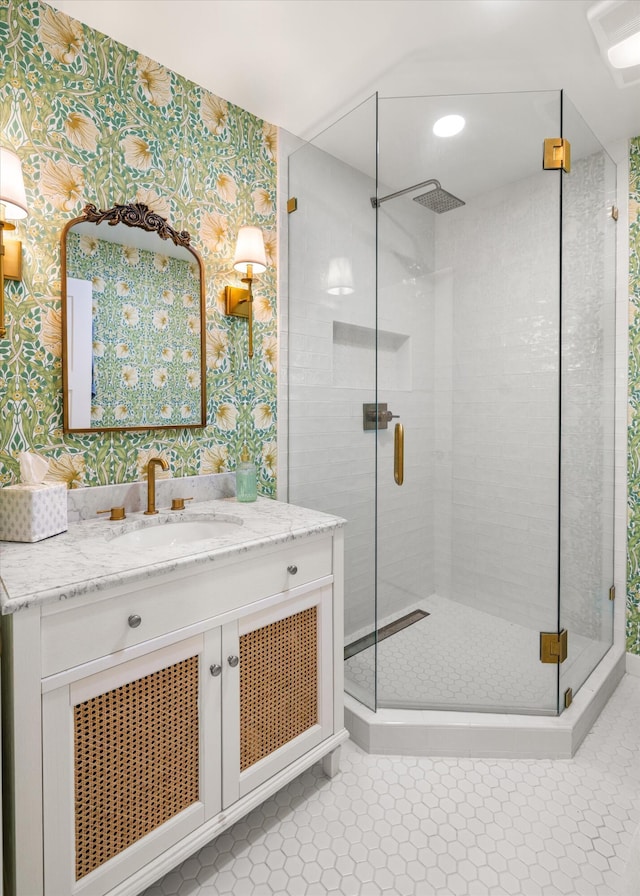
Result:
x=32 y=512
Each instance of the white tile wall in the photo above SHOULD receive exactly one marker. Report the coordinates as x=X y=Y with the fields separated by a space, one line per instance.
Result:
x=497 y=497
x=332 y=372
x=588 y=405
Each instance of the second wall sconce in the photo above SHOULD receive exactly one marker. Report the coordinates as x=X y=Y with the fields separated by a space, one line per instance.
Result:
x=250 y=258
x=13 y=204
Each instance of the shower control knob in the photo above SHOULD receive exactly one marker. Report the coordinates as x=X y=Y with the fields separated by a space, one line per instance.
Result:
x=292 y=570
x=215 y=670
x=134 y=620
x=233 y=661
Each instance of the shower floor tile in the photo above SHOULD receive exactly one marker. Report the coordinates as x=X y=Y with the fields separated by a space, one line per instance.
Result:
x=461 y=658
x=439 y=827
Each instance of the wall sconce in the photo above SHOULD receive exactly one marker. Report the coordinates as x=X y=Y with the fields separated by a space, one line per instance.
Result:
x=340 y=277
x=250 y=259
x=13 y=204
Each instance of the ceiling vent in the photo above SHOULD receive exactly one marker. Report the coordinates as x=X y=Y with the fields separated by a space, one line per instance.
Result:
x=613 y=22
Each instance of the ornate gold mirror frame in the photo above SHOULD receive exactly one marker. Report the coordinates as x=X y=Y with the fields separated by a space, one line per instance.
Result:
x=133 y=323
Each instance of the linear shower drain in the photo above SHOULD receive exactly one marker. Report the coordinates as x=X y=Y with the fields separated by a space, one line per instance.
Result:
x=384 y=632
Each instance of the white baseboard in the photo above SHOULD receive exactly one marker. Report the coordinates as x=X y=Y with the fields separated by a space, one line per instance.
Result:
x=633 y=664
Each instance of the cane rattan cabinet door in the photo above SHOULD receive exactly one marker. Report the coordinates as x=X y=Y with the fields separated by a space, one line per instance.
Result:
x=131 y=741
x=277 y=689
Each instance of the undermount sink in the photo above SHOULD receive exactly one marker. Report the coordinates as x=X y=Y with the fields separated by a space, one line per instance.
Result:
x=178 y=532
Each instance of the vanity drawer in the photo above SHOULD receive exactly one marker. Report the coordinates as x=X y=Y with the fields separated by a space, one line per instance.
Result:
x=74 y=635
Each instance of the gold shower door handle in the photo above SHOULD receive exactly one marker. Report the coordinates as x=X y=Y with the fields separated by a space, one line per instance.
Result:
x=398 y=454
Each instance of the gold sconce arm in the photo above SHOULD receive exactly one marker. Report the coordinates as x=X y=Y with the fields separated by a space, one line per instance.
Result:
x=239 y=303
x=250 y=257
x=248 y=280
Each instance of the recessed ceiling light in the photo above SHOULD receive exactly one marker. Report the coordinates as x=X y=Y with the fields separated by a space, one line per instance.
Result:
x=448 y=126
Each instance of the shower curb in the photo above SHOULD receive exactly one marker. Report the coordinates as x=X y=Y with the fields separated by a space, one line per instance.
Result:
x=393 y=732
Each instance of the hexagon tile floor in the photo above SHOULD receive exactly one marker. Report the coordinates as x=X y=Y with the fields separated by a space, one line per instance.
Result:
x=445 y=658
x=439 y=827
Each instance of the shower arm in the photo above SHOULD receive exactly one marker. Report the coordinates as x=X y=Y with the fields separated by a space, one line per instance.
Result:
x=425 y=183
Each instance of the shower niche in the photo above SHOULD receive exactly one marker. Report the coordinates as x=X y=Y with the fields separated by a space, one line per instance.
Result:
x=353 y=348
x=481 y=308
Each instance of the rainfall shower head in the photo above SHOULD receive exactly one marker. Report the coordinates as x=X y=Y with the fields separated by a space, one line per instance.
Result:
x=438 y=200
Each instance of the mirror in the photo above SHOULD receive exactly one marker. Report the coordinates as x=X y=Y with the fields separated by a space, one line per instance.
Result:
x=133 y=323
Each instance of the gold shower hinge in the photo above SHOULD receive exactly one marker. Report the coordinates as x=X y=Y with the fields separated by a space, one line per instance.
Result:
x=568 y=698
x=612 y=592
x=292 y=205
x=553 y=647
x=557 y=154
x=613 y=211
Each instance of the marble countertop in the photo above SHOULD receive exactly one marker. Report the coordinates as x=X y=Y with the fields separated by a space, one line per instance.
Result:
x=88 y=558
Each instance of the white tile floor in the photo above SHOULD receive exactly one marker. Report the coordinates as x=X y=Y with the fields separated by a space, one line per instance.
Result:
x=443 y=662
x=439 y=827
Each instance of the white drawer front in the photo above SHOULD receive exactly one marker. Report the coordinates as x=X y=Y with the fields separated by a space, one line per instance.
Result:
x=71 y=636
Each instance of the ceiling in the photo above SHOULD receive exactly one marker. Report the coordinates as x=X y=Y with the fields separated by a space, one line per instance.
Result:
x=302 y=64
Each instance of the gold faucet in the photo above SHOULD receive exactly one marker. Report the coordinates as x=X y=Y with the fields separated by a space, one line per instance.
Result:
x=151 y=483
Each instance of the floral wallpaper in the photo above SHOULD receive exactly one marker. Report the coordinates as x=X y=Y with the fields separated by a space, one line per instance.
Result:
x=140 y=376
x=633 y=460
x=94 y=121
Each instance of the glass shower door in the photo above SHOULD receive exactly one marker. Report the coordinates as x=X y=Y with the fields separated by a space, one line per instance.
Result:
x=332 y=358
x=469 y=360
x=450 y=394
x=588 y=403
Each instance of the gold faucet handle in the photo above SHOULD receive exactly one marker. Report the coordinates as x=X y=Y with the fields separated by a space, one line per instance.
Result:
x=178 y=503
x=117 y=513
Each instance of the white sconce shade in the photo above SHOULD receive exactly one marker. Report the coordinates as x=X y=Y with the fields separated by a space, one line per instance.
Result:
x=12 y=192
x=340 y=278
x=250 y=259
x=250 y=250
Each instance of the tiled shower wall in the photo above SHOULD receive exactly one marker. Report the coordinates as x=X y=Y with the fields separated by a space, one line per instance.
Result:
x=500 y=383
x=332 y=373
x=588 y=398
x=406 y=350
x=469 y=361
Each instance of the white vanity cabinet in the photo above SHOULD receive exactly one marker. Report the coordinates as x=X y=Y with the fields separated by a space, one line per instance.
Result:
x=169 y=710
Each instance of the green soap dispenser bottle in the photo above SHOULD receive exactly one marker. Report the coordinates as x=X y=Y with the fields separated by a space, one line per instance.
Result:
x=246 y=485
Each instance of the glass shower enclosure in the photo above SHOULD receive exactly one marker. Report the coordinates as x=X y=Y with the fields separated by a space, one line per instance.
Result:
x=451 y=394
